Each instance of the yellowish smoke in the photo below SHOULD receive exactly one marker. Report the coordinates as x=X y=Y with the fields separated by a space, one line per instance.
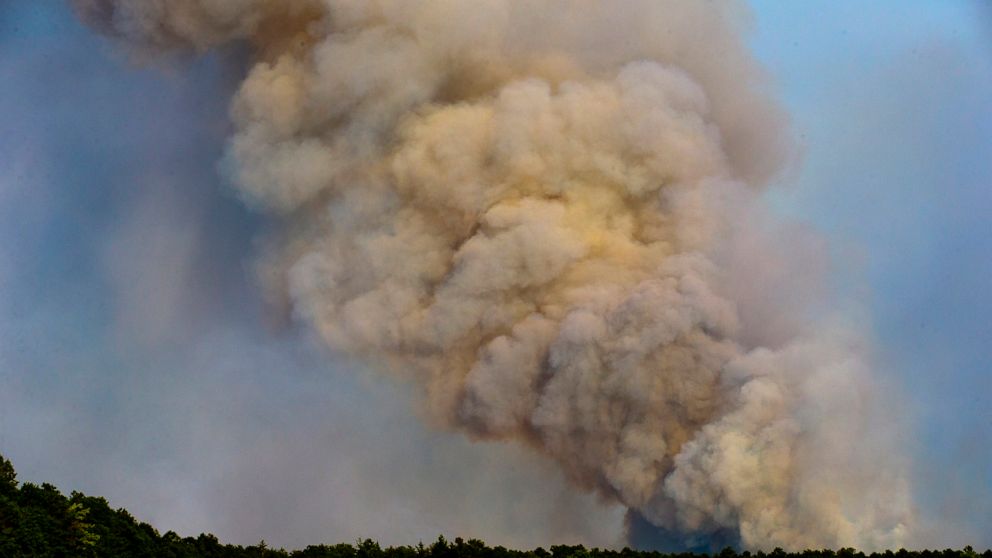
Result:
x=547 y=214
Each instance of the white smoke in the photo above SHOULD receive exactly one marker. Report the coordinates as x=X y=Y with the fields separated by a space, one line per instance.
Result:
x=547 y=214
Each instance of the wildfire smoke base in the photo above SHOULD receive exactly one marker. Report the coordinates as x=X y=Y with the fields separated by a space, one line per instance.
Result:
x=548 y=215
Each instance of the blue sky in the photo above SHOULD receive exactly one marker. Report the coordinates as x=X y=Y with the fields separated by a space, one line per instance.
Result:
x=164 y=386
x=893 y=105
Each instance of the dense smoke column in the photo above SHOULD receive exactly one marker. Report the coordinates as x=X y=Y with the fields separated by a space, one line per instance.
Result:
x=547 y=214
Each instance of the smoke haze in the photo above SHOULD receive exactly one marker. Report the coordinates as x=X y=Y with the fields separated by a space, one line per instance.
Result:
x=135 y=364
x=548 y=217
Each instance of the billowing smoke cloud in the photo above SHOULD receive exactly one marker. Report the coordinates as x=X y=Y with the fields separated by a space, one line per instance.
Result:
x=547 y=215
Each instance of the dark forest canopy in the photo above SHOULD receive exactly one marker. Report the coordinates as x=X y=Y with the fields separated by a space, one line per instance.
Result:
x=39 y=521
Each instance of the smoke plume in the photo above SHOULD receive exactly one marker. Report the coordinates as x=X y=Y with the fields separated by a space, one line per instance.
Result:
x=548 y=215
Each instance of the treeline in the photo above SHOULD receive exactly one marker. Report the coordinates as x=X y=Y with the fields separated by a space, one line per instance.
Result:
x=39 y=521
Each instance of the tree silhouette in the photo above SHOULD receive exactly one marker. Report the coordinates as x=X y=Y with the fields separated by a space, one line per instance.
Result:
x=39 y=521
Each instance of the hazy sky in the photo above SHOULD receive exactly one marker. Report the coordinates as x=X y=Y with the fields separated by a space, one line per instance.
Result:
x=893 y=102
x=166 y=386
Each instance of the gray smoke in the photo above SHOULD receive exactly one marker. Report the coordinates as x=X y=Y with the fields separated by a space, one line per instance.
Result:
x=548 y=215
